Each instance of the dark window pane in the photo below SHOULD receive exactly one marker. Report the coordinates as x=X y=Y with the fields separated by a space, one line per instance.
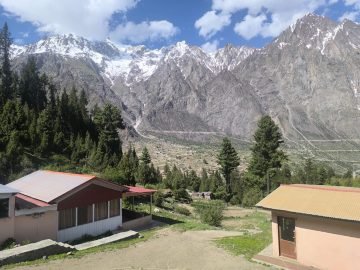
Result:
x=67 y=218
x=115 y=208
x=4 y=208
x=287 y=228
x=101 y=211
x=85 y=214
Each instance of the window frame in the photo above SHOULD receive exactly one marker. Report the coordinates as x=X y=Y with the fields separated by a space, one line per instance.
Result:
x=6 y=211
x=63 y=214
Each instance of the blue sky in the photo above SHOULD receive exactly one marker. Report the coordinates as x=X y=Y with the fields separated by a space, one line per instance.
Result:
x=155 y=23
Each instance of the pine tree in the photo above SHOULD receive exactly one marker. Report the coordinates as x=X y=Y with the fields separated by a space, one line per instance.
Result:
x=266 y=154
x=145 y=156
x=6 y=75
x=228 y=160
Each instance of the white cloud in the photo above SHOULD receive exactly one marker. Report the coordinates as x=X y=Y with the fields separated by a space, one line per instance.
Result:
x=210 y=46
x=264 y=17
x=250 y=26
x=352 y=15
x=87 y=18
x=141 y=32
x=211 y=23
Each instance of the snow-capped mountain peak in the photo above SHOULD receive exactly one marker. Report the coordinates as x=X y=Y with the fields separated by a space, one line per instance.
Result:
x=132 y=63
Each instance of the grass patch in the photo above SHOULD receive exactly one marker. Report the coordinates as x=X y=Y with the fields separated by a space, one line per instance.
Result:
x=248 y=244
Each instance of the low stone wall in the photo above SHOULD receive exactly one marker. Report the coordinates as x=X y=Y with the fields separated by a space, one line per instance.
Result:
x=33 y=251
x=137 y=223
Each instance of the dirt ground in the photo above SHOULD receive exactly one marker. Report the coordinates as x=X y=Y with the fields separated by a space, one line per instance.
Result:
x=168 y=249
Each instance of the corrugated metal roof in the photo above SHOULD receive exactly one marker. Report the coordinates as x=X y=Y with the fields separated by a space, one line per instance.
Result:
x=31 y=200
x=137 y=191
x=48 y=185
x=325 y=201
x=7 y=190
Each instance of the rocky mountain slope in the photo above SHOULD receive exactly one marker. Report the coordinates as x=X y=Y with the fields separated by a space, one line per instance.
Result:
x=307 y=79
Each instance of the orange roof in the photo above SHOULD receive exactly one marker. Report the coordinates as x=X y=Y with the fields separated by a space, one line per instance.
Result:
x=325 y=201
x=138 y=191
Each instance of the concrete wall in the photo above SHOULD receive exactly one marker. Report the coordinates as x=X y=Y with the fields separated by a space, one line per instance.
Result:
x=7 y=224
x=94 y=228
x=137 y=223
x=326 y=243
x=36 y=227
x=33 y=251
x=275 y=234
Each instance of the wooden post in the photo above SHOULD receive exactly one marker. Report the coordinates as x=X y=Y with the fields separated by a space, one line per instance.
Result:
x=150 y=204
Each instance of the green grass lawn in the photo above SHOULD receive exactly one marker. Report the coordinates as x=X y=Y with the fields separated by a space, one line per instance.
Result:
x=248 y=244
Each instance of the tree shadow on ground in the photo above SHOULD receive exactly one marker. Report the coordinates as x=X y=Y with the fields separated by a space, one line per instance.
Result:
x=166 y=220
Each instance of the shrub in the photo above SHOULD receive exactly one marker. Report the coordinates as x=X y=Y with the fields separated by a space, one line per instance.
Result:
x=182 y=210
x=158 y=198
x=210 y=212
x=235 y=200
x=251 y=197
x=8 y=243
x=182 y=195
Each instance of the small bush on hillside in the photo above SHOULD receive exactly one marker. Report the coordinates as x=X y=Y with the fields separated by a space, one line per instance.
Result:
x=182 y=195
x=252 y=197
x=8 y=243
x=182 y=210
x=210 y=212
x=158 y=198
x=235 y=200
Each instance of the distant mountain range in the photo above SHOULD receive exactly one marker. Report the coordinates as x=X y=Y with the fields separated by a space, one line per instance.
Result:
x=307 y=79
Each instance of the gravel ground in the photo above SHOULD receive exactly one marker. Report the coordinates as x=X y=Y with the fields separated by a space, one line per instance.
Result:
x=168 y=249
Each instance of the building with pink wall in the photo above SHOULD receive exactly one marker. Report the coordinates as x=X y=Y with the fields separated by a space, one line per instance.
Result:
x=317 y=226
x=61 y=206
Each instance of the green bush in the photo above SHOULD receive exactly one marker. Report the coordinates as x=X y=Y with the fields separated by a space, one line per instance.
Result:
x=210 y=212
x=182 y=195
x=182 y=210
x=251 y=197
x=235 y=200
x=158 y=198
x=8 y=243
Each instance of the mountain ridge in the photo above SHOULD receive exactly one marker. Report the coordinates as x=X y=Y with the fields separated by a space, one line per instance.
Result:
x=306 y=79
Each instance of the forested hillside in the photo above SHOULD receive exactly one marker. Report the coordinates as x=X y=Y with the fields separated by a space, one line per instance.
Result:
x=39 y=125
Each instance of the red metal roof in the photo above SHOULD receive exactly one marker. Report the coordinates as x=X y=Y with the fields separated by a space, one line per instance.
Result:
x=138 y=191
x=31 y=200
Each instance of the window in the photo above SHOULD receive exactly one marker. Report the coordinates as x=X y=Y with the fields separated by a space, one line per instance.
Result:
x=85 y=214
x=287 y=228
x=4 y=208
x=115 y=208
x=67 y=218
x=101 y=211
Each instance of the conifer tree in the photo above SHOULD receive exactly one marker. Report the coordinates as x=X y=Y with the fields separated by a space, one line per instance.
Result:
x=228 y=160
x=266 y=153
x=6 y=74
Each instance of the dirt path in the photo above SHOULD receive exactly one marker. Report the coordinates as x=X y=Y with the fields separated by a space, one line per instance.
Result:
x=168 y=249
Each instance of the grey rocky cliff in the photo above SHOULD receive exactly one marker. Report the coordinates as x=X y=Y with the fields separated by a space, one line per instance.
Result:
x=307 y=79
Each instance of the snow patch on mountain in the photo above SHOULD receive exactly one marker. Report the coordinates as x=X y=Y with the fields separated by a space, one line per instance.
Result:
x=133 y=63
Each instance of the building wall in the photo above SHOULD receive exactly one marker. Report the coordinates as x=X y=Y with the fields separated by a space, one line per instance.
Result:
x=89 y=195
x=95 y=228
x=7 y=224
x=275 y=234
x=36 y=227
x=327 y=243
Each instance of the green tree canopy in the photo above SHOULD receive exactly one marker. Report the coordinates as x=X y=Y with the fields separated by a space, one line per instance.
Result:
x=266 y=153
x=228 y=160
